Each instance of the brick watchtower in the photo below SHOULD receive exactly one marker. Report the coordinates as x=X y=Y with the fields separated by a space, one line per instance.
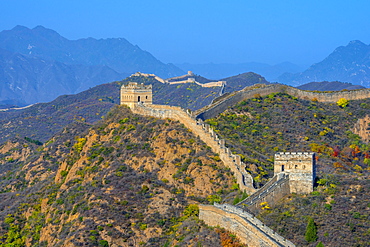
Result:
x=300 y=167
x=133 y=93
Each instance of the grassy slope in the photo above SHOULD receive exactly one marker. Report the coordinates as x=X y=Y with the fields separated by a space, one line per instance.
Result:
x=257 y=128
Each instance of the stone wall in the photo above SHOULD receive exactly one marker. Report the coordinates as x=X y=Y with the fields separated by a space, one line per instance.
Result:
x=206 y=134
x=362 y=128
x=247 y=228
x=301 y=169
x=222 y=105
x=271 y=192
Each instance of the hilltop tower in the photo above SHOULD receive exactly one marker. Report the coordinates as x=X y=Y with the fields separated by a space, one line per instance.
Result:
x=133 y=93
x=301 y=168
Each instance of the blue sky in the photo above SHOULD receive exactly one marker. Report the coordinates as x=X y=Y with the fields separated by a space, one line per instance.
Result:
x=177 y=31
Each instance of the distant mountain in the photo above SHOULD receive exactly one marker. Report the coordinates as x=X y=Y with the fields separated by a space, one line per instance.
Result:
x=217 y=71
x=116 y=53
x=349 y=63
x=42 y=121
x=26 y=80
x=238 y=82
x=329 y=86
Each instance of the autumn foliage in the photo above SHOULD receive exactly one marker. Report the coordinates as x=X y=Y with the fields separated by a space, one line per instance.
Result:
x=228 y=239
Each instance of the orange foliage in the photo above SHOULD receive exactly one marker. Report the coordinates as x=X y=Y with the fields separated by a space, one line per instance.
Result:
x=338 y=165
x=228 y=239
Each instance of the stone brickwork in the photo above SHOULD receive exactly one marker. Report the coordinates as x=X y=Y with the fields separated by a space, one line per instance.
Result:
x=362 y=128
x=134 y=93
x=245 y=226
x=293 y=172
x=206 y=134
x=301 y=169
x=270 y=193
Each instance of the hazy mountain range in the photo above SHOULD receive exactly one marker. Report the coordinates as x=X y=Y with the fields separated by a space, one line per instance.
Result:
x=349 y=63
x=37 y=65
x=25 y=80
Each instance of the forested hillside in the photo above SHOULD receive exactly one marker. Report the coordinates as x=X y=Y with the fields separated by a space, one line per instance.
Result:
x=260 y=127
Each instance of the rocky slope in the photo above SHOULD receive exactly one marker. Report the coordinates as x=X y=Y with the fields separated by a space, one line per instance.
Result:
x=126 y=181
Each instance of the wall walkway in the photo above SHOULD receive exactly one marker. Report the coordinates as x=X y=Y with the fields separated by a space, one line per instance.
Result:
x=245 y=226
x=247 y=93
x=206 y=134
x=271 y=192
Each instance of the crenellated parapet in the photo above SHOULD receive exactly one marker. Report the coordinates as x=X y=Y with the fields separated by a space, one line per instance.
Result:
x=206 y=134
x=263 y=90
x=301 y=168
x=294 y=172
x=248 y=228
x=134 y=93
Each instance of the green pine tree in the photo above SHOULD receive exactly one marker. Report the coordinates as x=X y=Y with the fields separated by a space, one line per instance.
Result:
x=311 y=231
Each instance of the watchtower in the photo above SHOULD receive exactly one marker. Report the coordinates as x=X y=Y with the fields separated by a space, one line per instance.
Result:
x=301 y=168
x=133 y=93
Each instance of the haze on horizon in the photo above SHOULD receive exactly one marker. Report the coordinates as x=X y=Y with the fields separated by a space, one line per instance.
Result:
x=205 y=31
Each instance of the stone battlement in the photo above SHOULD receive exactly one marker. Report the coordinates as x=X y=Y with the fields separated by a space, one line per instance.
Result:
x=294 y=172
x=134 y=93
x=328 y=97
x=293 y=155
x=148 y=75
x=135 y=85
x=206 y=134
x=249 y=229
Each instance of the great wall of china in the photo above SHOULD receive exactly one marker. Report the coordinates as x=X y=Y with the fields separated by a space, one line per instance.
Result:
x=294 y=172
x=182 y=80
x=263 y=90
x=206 y=134
x=237 y=219
x=244 y=225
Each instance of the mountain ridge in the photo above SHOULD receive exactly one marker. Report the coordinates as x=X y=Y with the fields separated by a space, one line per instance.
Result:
x=350 y=63
x=116 y=53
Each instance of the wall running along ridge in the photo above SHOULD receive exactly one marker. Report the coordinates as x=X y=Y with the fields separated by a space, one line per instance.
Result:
x=206 y=134
x=245 y=226
x=294 y=172
x=238 y=220
x=220 y=106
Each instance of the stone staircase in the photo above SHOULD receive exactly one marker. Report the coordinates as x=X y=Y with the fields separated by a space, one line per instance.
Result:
x=206 y=134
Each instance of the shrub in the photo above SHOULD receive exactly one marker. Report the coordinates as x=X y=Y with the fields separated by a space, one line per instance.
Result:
x=342 y=102
x=311 y=231
x=191 y=210
x=103 y=243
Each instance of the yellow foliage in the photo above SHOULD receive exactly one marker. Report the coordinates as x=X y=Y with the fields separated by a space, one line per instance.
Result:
x=342 y=102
